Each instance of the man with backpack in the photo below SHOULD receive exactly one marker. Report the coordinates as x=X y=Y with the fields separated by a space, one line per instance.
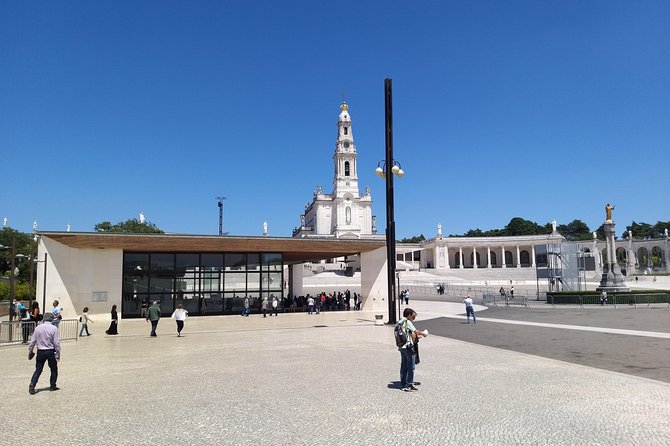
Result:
x=406 y=335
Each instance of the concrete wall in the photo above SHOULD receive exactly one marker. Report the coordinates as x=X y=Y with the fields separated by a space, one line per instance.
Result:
x=374 y=288
x=73 y=275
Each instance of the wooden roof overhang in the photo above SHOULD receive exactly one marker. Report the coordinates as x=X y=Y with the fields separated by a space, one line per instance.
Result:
x=295 y=250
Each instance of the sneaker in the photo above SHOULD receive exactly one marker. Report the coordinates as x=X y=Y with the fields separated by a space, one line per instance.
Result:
x=406 y=389
x=413 y=387
x=31 y=389
x=416 y=383
x=52 y=388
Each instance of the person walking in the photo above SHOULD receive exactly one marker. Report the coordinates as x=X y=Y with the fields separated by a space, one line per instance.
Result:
x=153 y=316
x=57 y=312
x=264 y=307
x=47 y=341
x=469 y=309
x=245 y=309
x=113 y=325
x=511 y=292
x=275 y=304
x=180 y=315
x=310 y=304
x=406 y=297
x=84 y=319
x=407 y=350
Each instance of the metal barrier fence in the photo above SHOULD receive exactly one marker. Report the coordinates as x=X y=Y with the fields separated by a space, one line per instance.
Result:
x=628 y=299
x=495 y=299
x=19 y=332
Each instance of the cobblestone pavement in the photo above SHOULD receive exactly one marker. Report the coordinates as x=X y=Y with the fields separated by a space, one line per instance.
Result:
x=329 y=379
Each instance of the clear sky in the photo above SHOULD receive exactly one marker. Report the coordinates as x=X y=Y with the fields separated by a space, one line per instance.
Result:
x=535 y=109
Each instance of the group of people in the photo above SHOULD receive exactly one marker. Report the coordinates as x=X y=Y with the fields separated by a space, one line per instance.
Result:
x=404 y=296
x=504 y=294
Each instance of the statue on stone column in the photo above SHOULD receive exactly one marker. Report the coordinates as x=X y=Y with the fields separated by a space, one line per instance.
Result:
x=595 y=236
x=665 y=233
x=302 y=220
x=608 y=212
x=630 y=235
x=265 y=228
x=439 y=230
x=553 y=226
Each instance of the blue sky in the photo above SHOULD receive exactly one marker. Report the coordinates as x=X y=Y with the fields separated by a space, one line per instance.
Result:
x=536 y=109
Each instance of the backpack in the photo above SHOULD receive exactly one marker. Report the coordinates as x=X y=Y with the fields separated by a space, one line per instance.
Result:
x=400 y=334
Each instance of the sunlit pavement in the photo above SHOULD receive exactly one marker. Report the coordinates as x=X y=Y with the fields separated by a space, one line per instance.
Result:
x=323 y=379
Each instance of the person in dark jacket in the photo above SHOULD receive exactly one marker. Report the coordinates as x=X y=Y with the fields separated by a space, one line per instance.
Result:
x=153 y=315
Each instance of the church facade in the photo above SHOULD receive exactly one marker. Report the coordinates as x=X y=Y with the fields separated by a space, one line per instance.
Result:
x=344 y=213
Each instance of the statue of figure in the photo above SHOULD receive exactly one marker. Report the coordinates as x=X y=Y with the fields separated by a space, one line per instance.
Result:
x=318 y=189
x=595 y=236
x=630 y=235
x=265 y=228
x=68 y=228
x=367 y=190
x=665 y=232
x=35 y=226
x=302 y=220
x=4 y=223
x=608 y=212
x=142 y=218
x=439 y=229
x=553 y=226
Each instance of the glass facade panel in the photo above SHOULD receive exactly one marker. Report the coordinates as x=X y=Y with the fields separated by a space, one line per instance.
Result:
x=204 y=283
x=253 y=262
x=272 y=261
x=235 y=282
x=236 y=262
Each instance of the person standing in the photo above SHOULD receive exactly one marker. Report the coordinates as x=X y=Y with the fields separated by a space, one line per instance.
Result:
x=511 y=292
x=113 y=325
x=57 y=312
x=84 y=319
x=180 y=315
x=47 y=341
x=407 y=350
x=406 y=297
x=469 y=309
x=24 y=317
x=153 y=316
x=310 y=304
x=35 y=315
x=275 y=304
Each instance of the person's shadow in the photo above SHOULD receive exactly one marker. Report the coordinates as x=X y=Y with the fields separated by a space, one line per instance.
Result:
x=396 y=385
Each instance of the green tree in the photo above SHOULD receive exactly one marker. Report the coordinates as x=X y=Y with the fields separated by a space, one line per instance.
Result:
x=575 y=230
x=130 y=226
x=519 y=226
x=26 y=249
x=640 y=230
x=415 y=239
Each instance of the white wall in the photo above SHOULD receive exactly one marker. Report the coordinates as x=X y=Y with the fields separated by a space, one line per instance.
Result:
x=374 y=288
x=73 y=275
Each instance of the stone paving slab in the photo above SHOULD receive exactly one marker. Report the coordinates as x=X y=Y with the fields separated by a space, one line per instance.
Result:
x=319 y=380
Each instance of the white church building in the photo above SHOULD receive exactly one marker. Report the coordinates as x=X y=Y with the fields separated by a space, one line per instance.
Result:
x=344 y=213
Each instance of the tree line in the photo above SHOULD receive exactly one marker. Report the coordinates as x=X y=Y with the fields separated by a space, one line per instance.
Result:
x=576 y=230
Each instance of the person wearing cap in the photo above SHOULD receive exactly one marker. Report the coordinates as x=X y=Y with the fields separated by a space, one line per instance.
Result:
x=47 y=340
x=153 y=315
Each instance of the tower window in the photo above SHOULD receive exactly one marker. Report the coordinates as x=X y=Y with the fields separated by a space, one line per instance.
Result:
x=346 y=130
x=346 y=168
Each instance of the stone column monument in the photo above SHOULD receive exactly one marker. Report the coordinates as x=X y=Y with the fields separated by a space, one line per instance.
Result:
x=612 y=279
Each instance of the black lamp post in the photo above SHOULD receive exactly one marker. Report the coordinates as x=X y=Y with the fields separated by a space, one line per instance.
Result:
x=386 y=169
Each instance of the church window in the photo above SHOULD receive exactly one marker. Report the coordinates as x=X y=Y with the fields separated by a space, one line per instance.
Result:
x=346 y=168
x=347 y=214
x=346 y=130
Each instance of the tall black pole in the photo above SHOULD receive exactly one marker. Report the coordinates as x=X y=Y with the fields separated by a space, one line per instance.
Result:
x=390 y=220
x=12 y=279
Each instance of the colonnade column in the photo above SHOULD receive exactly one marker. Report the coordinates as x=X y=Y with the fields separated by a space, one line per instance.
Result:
x=446 y=256
x=474 y=257
x=532 y=253
x=504 y=264
x=488 y=257
x=518 y=257
x=460 y=257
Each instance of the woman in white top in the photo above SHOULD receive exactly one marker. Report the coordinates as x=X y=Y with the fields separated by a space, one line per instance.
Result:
x=180 y=315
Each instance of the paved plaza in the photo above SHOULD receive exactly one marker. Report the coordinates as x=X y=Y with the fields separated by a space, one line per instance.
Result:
x=332 y=379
